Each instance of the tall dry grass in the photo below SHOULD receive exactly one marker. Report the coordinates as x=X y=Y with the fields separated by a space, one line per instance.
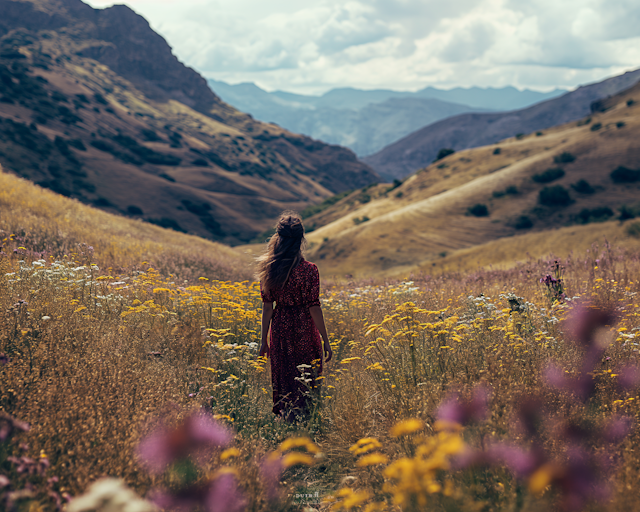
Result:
x=96 y=354
x=49 y=224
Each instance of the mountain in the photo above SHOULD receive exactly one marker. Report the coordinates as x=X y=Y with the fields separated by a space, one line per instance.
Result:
x=94 y=106
x=495 y=205
x=367 y=121
x=477 y=129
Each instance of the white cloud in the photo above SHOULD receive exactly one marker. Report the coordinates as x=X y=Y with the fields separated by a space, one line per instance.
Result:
x=401 y=44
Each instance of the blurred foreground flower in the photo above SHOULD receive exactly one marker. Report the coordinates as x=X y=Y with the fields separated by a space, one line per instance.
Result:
x=194 y=438
x=10 y=425
x=219 y=494
x=197 y=433
x=110 y=495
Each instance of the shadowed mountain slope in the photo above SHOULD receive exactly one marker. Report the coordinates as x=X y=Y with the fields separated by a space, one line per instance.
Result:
x=494 y=204
x=477 y=129
x=94 y=106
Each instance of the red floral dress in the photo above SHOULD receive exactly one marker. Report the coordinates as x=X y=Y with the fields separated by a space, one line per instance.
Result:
x=295 y=340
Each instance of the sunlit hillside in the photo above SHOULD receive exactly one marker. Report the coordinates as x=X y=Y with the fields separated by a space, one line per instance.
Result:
x=94 y=106
x=535 y=194
x=44 y=222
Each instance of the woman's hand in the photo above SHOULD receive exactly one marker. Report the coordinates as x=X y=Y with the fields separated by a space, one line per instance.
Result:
x=264 y=349
x=328 y=352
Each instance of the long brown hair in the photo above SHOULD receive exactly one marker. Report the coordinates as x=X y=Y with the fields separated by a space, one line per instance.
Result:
x=283 y=253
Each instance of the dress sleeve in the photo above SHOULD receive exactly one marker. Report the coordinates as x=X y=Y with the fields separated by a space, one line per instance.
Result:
x=266 y=296
x=311 y=288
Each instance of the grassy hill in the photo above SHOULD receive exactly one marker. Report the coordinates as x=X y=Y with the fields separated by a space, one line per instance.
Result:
x=94 y=106
x=472 y=130
x=52 y=225
x=536 y=194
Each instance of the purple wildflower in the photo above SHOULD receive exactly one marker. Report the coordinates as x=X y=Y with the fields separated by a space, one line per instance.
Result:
x=271 y=470
x=585 y=323
x=453 y=410
x=9 y=425
x=629 y=377
x=197 y=432
x=218 y=495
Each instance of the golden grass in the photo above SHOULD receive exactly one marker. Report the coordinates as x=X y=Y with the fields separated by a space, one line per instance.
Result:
x=96 y=354
x=56 y=225
x=412 y=225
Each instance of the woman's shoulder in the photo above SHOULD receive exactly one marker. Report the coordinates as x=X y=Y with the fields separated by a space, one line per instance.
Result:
x=307 y=267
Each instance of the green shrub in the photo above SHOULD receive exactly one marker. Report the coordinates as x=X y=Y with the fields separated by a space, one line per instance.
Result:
x=600 y=214
x=634 y=230
x=630 y=102
x=519 y=136
x=168 y=223
x=478 y=210
x=510 y=190
x=564 y=158
x=444 y=152
x=623 y=174
x=309 y=211
x=539 y=134
x=555 y=197
x=596 y=127
x=549 y=175
x=523 y=222
x=497 y=151
x=360 y=220
x=626 y=213
x=583 y=187
x=620 y=124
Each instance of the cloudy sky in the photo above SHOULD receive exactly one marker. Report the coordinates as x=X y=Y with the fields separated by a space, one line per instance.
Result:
x=311 y=47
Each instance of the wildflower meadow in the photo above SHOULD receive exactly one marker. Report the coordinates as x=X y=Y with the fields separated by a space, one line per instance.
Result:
x=134 y=386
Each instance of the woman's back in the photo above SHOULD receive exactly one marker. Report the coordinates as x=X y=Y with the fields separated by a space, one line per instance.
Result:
x=301 y=289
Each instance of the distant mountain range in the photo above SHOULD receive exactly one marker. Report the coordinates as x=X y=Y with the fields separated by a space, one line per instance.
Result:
x=94 y=106
x=367 y=121
x=470 y=130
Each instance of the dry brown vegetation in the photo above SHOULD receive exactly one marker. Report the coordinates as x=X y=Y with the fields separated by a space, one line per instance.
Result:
x=97 y=354
x=425 y=222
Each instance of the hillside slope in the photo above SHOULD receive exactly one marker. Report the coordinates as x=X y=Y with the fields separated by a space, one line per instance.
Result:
x=478 y=129
x=426 y=221
x=94 y=106
x=50 y=225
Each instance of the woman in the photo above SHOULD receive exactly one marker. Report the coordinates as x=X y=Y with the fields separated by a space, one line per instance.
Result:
x=296 y=323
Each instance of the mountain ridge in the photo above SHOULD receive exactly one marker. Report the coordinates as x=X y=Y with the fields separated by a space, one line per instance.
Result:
x=366 y=121
x=133 y=144
x=469 y=130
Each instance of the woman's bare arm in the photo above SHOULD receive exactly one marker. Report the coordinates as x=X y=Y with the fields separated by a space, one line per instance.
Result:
x=318 y=319
x=267 y=313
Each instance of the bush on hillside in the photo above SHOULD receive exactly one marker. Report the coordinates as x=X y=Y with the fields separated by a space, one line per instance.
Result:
x=634 y=230
x=523 y=222
x=497 y=151
x=623 y=174
x=595 y=127
x=168 y=223
x=555 y=197
x=510 y=190
x=478 y=210
x=564 y=158
x=583 y=187
x=444 y=152
x=599 y=214
x=549 y=175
